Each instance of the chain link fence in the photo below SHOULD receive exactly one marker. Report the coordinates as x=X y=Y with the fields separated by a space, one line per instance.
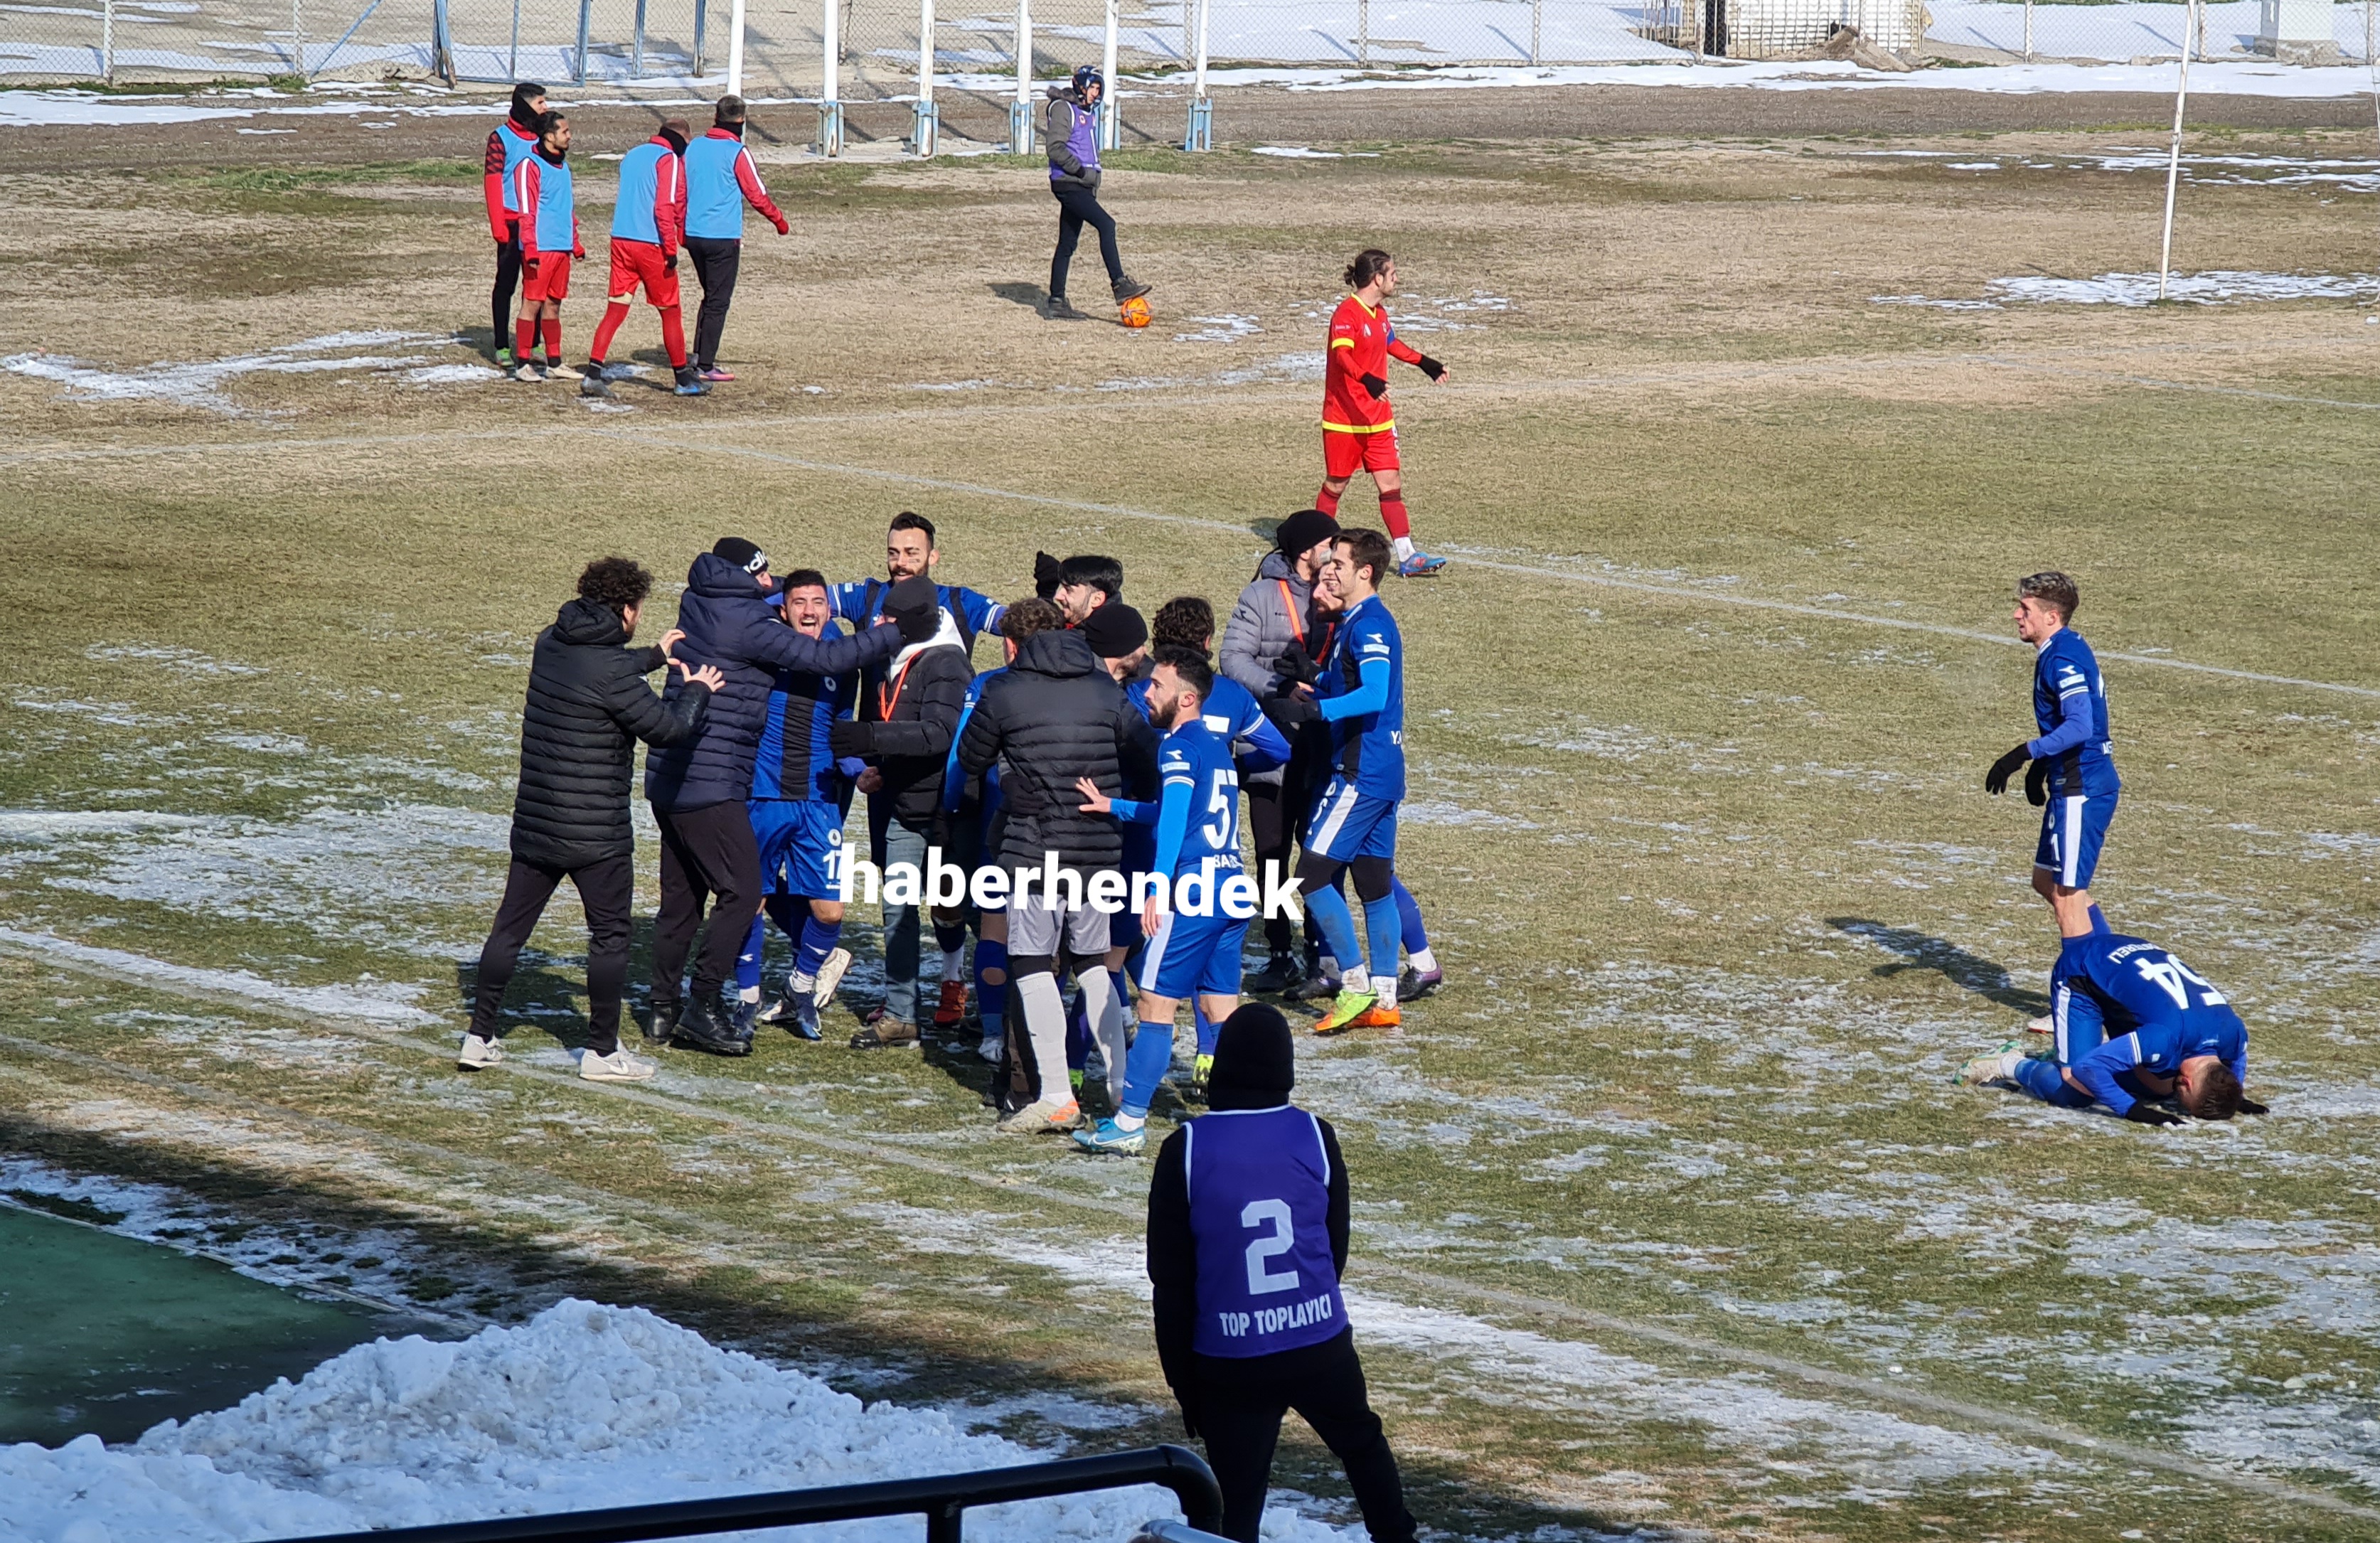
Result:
x=878 y=43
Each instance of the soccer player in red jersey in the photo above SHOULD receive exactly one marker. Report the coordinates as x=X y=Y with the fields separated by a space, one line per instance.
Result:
x=647 y=227
x=549 y=235
x=1359 y=428
x=508 y=142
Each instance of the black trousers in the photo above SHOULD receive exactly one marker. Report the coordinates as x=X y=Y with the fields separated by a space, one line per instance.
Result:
x=1276 y=814
x=1078 y=207
x=709 y=856
x=606 y=889
x=716 y=259
x=500 y=300
x=1240 y=1407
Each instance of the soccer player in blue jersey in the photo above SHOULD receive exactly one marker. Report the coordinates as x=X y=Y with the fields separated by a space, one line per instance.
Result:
x=1360 y=690
x=1195 y=932
x=2133 y=1024
x=2073 y=770
x=1247 y=1241
x=799 y=797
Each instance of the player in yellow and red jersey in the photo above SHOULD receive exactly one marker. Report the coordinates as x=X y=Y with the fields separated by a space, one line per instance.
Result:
x=1359 y=428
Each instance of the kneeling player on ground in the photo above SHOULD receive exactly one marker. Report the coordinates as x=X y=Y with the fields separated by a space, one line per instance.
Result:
x=1187 y=951
x=549 y=238
x=1247 y=1241
x=2134 y=1024
x=647 y=227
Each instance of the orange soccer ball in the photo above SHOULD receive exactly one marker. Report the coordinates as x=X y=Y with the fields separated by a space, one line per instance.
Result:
x=1136 y=311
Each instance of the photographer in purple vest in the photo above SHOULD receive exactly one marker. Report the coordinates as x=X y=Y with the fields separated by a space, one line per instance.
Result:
x=1248 y=1236
x=1070 y=129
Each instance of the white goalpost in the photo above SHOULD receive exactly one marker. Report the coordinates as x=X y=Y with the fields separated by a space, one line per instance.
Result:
x=1111 y=114
x=1202 y=110
x=735 y=49
x=1020 y=112
x=831 y=83
x=2173 y=157
x=921 y=139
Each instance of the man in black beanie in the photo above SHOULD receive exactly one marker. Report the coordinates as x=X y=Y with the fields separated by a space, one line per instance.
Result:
x=509 y=143
x=1247 y=1238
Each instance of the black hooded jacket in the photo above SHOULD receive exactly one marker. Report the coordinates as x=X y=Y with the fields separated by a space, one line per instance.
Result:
x=588 y=706
x=1051 y=717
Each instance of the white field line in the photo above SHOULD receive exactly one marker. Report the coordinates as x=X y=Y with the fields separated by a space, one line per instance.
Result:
x=1935 y=1404
x=1669 y=591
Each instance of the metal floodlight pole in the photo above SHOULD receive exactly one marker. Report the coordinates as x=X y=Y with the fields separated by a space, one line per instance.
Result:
x=585 y=17
x=2028 y=31
x=831 y=83
x=701 y=19
x=735 y=48
x=2173 y=159
x=1110 y=113
x=107 y=41
x=297 y=37
x=922 y=138
x=1020 y=112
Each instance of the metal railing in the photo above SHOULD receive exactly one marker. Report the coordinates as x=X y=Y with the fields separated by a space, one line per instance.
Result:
x=944 y=1500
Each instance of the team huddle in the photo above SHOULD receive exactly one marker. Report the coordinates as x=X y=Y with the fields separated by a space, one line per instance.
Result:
x=1083 y=796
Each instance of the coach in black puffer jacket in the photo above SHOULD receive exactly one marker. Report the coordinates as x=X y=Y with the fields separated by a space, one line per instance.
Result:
x=587 y=707
x=1055 y=715
x=728 y=622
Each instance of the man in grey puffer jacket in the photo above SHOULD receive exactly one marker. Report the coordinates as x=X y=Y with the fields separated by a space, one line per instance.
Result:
x=1274 y=611
x=1070 y=129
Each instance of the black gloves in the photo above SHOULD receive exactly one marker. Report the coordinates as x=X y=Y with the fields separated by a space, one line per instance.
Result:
x=847 y=738
x=1046 y=569
x=1289 y=710
x=1297 y=666
x=2249 y=1106
x=2152 y=1115
x=1377 y=384
x=2036 y=783
x=1996 y=780
x=1431 y=368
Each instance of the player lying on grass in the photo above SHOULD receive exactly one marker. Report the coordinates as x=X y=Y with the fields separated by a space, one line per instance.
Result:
x=2134 y=1024
x=1359 y=428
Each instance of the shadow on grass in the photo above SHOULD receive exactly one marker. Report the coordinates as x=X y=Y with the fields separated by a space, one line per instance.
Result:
x=859 y=1353
x=1922 y=951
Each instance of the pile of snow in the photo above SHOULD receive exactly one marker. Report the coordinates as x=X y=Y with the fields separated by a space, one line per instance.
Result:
x=583 y=1407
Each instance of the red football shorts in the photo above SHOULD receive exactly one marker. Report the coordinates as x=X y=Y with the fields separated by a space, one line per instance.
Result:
x=1344 y=453
x=549 y=278
x=641 y=262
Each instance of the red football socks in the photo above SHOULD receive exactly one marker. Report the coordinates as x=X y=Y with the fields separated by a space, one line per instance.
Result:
x=672 y=336
x=1392 y=513
x=1327 y=501
x=524 y=339
x=605 y=331
x=553 y=340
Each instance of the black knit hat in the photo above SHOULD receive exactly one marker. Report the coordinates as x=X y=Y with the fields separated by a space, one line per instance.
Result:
x=1113 y=631
x=1303 y=530
x=1253 y=1054
x=744 y=554
x=912 y=597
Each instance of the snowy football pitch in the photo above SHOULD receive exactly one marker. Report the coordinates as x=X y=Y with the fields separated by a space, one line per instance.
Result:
x=1668 y=1215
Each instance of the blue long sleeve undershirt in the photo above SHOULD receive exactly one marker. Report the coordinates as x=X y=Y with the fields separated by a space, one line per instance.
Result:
x=1262 y=748
x=2073 y=728
x=1372 y=696
x=1173 y=825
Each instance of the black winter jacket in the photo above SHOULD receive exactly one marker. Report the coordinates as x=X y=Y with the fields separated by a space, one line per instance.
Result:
x=1053 y=716
x=587 y=707
x=729 y=624
x=910 y=748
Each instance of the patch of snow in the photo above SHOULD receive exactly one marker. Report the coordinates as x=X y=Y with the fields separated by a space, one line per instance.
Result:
x=189 y=662
x=453 y=374
x=2220 y=287
x=583 y=1407
x=201 y=383
x=1229 y=327
x=380 y=1002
